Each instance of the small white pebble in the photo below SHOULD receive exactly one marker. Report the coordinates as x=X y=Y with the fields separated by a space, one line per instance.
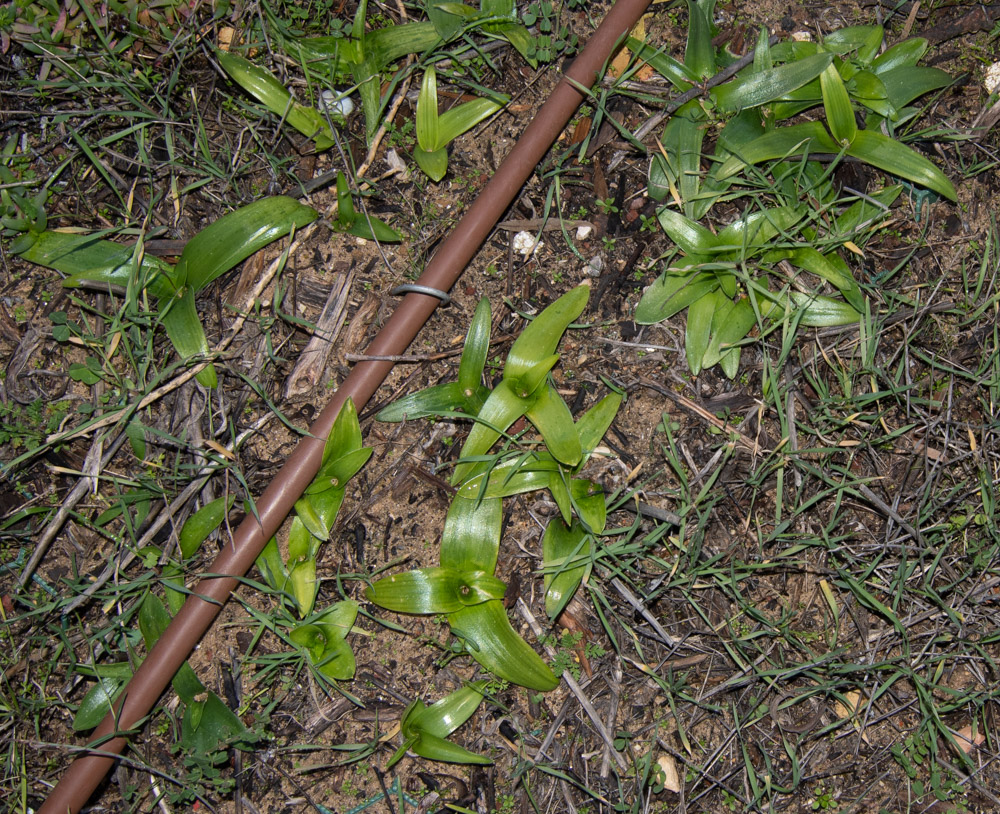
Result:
x=595 y=266
x=525 y=244
x=802 y=36
x=335 y=103
x=583 y=232
x=992 y=78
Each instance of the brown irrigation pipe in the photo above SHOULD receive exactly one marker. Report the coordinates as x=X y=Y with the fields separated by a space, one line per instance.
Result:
x=201 y=608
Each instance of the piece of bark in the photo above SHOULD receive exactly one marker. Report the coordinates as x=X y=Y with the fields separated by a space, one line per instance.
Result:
x=313 y=360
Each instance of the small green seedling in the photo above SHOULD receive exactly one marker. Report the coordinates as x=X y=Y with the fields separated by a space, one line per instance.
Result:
x=324 y=638
x=425 y=729
x=315 y=513
x=86 y=259
x=208 y=726
x=435 y=131
x=357 y=223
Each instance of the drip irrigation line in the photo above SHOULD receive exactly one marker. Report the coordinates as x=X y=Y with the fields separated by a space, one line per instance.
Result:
x=206 y=600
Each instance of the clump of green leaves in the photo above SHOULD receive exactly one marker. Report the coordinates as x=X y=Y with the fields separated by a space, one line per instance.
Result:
x=435 y=131
x=797 y=221
x=321 y=635
x=425 y=729
x=463 y=587
x=89 y=260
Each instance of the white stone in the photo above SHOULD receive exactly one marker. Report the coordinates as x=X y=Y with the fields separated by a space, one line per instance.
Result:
x=992 y=78
x=336 y=104
x=583 y=232
x=525 y=244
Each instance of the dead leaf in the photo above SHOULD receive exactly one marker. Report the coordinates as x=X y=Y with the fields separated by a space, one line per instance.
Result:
x=966 y=741
x=855 y=700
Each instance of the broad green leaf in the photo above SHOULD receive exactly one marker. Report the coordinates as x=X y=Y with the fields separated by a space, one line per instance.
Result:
x=435 y=748
x=699 y=328
x=434 y=590
x=446 y=715
x=837 y=104
x=891 y=156
x=692 y=238
x=807 y=137
x=660 y=176
x=268 y=90
x=476 y=349
x=457 y=120
x=513 y=477
x=682 y=139
x=490 y=640
x=761 y=88
x=554 y=422
x=345 y=434
x=865 y=39
x=864 y=211
x=88 y=258
x=96 y=704
x=588 y=500
x=237 y=235
x=209 y=727
x=565 y=558
x=153 y=619
x=470 y=540
x=337 y=661
x=671 y=293
x=371 y=228
x=903 y=54
x=302 y=584
x=434 y=164
x=501 y=409
x=817 y=311
x=762 y=60
x=699 y=54
x=310 y=518
x=730 y=325
x=202 y=523
x=301 y=544
x=757 y=229
x=594 y=424
x=272 y=566
x=180 y=320
x=539 y=339
x=868 y=89
x=903 y=85
x=428 y=125
x=526 y=386
x=833 y=269
x=435 y=401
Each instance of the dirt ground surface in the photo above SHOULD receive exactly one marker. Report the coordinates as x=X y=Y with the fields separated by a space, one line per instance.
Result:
x=723 y=677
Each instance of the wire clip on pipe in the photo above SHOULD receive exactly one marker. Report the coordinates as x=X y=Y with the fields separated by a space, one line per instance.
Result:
x=414 y=288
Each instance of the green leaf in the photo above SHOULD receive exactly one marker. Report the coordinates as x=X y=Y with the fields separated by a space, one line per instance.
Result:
x=864 y=211
x=477 y=348
x=807 y=137
x=202 y=523
x=345 y=434
x=837 y=104
x=470 y=540
x=302 y=584
x=729 y=325
x=271 y=566
x=757 y=229
x=865 y=39
x=434 y=590
x=817 y=311
x=587 y=498
x=434 y=748
x=699 y=328
x=566 y=552
x=594 y=424
x=237 y=235
x=153 y=619
x=434 y=164
x=310 y=518
x=446 y=715
x=683 y=137
x=891 y=156
x=903 y=54
x=179 y=316
x=436 y=401
x=677 y=73
x=337 y=661
x=96 y=704
x=691 y=237
x=334 y=474
x=672 y=293
x=501 y=409
x=266 y=88
x=831 y=268
x=492 y=642
x=554 y=422
x=699 y=54
x=903 y=85
x=764 y=87
x=539 y=339
x=457 y=120
x=209 y=727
